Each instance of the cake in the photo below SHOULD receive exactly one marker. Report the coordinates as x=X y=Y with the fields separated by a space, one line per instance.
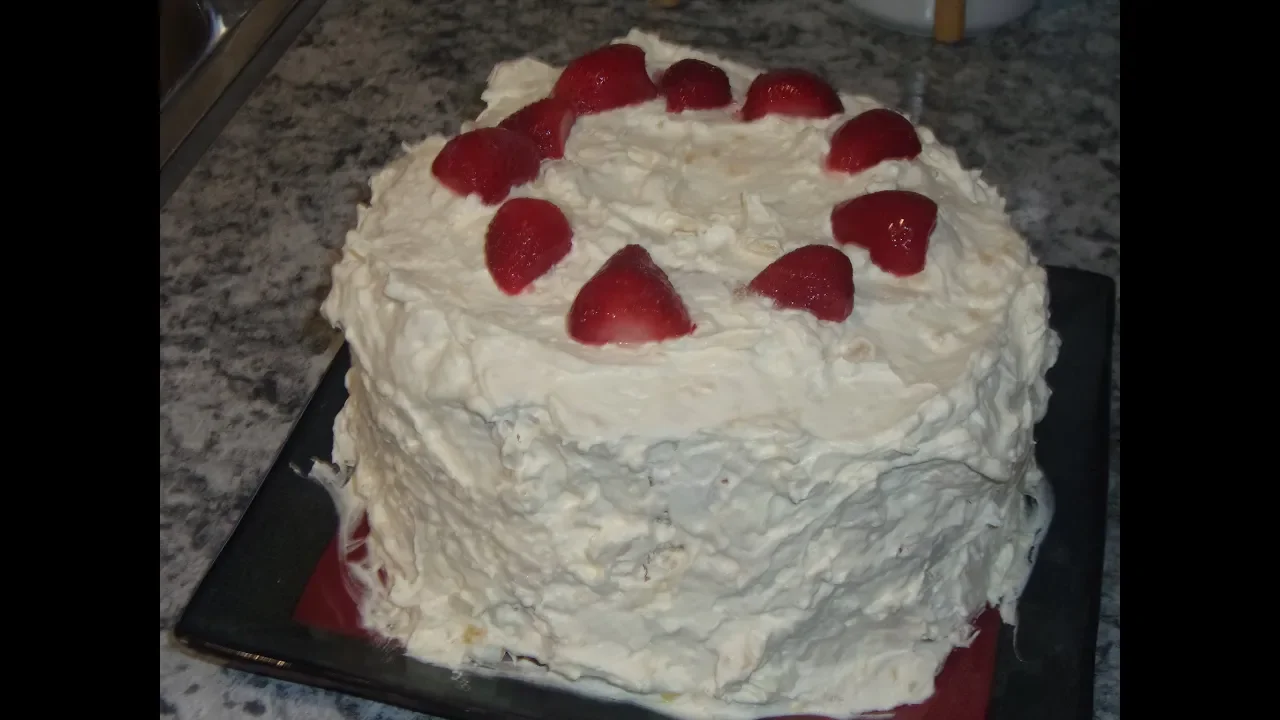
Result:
x=704 y=387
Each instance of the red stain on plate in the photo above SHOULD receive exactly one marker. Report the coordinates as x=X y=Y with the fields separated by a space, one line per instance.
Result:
x=962 y=689
x=326 y=602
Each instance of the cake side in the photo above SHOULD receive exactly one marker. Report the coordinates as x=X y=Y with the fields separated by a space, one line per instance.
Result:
x=773 y=512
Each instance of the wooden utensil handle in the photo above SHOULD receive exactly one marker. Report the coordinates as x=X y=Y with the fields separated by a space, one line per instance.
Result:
x=948 y=20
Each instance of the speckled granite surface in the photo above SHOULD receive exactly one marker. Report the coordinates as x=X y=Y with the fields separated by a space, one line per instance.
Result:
x=246 y=241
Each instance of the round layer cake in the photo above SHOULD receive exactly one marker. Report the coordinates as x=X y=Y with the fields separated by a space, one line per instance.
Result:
x=710 y=386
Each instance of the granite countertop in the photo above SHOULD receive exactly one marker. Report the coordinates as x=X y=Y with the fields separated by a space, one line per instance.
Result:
x=247 y=240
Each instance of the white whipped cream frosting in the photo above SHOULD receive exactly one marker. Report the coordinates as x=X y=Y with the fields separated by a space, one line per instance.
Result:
x=773 y=514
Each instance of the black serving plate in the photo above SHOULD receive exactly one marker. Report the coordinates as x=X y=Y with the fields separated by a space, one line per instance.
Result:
x=243 y=610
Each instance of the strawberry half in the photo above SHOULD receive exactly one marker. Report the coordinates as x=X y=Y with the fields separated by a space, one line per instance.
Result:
x=546 y=122
x=894 y=225
x=798 y=93
x=487 y=162
x=816 y=278
x=526 y=238
x=695 y=85
x=610 y=77
x=629 y=300
x=871 y=138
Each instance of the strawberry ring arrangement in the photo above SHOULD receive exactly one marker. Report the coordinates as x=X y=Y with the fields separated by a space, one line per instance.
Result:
x=615 y=419
x=631 y=300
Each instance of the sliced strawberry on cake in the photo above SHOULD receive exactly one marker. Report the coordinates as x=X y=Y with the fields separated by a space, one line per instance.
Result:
x=871 y=138
x=610 y=77
x=546 y=122
x=487 y=162
x=815 y=278
x=893 y=225
x=793 y=92
x=629 y=300
x=695 y=85
x=525 y=239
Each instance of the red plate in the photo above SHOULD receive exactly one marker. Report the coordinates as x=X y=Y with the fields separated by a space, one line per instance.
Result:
x=963 y=689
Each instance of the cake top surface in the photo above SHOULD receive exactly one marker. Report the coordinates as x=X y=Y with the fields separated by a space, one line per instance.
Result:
x=714 y=200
